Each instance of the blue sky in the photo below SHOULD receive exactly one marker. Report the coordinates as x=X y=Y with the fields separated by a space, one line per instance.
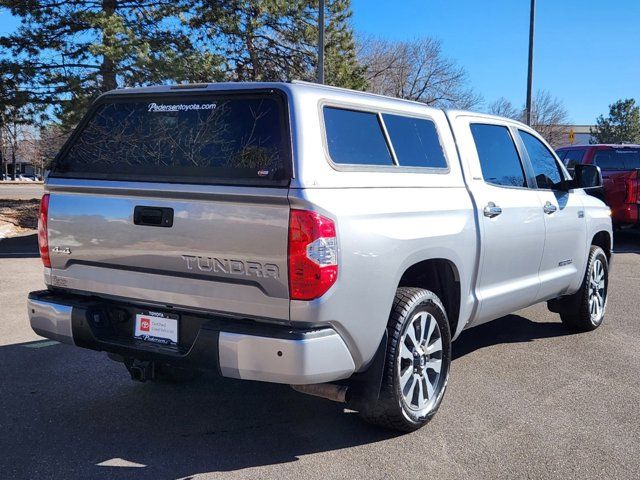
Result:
x=587 y=52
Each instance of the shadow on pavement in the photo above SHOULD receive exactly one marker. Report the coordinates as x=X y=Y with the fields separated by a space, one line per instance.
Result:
x=626 y=241
x=25 y=246
x=65 y=410
x=509 y=329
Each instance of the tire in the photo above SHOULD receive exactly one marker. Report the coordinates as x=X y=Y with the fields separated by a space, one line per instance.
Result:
x=410 y=367
x=591 y=299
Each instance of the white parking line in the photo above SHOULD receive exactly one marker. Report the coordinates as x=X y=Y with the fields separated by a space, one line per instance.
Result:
x=40 y=344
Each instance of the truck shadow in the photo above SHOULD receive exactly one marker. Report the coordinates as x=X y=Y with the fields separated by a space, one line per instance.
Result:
x=509 y=329
x=627 y=241
x=71 y=413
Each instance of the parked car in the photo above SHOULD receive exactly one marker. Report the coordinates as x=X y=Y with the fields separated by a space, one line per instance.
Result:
x=333 y=240
x=620 y=165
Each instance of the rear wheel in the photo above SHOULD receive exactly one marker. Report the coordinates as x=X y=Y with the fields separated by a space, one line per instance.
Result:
x=592 y=296
x=417 y=362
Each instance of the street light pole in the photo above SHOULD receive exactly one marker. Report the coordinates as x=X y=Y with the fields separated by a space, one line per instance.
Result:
x=532 y=19
x=320 y=73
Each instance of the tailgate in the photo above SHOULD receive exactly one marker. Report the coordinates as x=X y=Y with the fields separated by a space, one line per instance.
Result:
x=178 y=201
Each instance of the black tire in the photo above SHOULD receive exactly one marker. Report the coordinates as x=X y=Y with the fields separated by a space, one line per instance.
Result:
x=580 y=317
x=391 y=410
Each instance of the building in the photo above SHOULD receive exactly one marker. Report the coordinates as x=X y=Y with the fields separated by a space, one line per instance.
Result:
x=23 y=167
x=576 y=135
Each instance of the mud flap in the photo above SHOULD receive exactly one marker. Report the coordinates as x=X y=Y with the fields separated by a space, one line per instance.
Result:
x=364 y=387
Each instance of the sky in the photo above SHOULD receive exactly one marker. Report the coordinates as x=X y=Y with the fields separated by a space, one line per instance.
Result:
x=587 y=52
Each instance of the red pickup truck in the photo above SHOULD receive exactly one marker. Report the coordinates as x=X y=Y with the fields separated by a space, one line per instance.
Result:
x=619 y=165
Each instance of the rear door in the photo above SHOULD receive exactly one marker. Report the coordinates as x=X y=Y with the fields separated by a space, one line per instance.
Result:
x=509 y=215
x=177 y=199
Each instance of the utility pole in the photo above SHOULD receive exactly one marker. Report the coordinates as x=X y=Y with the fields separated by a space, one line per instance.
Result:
x=320 y=73
x=532 y=19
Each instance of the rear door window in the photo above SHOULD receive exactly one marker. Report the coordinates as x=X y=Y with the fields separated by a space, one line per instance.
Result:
x=498 y=156
x=544 y=164
x=236 y=138
x=355 y=137
x=617 y=159
x=415 y=141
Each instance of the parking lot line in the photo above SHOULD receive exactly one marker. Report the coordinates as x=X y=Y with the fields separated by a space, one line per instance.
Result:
x=40 y=344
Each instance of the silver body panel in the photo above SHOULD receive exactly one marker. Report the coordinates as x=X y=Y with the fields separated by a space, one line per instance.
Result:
x=109 y=255
x=387 y=219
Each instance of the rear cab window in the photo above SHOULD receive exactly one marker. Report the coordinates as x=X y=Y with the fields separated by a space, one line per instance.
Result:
x=367 y=138
x=220 y=138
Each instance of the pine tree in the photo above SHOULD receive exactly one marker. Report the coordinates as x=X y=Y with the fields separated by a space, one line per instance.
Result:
x=276 y=40
x=68 y=52
x=341 y=64
x=621 y=126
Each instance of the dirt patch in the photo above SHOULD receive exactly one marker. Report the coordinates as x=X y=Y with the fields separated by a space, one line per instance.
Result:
x=18 y=216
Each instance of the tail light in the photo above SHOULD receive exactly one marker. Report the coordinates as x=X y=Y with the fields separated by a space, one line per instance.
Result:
x=632 y=188
x=43 y=235
x=313 y=255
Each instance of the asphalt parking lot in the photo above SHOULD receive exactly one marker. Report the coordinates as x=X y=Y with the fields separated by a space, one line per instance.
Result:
x=527 y=399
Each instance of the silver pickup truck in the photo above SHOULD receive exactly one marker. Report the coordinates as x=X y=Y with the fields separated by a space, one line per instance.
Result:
x=333 y=240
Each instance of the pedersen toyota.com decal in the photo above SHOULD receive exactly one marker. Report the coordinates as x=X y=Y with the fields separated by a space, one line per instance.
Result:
x=180 y=107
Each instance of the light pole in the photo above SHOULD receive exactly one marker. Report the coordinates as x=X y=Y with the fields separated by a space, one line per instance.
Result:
x=320 y=73
x=532 y=19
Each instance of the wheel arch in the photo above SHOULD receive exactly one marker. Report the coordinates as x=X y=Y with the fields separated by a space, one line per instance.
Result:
x=442 y=277
x=602 y=239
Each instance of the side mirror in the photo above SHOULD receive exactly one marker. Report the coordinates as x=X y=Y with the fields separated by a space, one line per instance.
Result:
x=587 y=177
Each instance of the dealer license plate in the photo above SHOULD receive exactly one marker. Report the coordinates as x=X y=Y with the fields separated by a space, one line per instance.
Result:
x=157 y=327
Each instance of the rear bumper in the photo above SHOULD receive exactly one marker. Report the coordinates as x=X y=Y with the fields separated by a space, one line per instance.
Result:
x=235 y=348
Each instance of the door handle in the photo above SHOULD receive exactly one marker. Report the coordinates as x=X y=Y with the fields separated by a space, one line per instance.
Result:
x=153 y=216
x=549 y=208
x=492 y=210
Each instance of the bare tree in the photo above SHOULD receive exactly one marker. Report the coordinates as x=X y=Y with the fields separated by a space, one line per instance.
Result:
x=504 y=108
x=548 y=115
x=47 y=143
x=415 y=70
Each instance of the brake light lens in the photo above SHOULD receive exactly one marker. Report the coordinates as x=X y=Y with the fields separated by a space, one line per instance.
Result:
x=632 y=188
x=43 y=235
x=313 y=255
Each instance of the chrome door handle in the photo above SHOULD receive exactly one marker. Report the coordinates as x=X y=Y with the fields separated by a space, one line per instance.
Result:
x=549 y=208
x=492 y=210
